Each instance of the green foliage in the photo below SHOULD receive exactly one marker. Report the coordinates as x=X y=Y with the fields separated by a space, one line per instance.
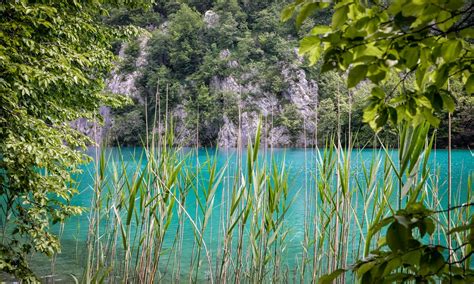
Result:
x=371 y=40
x=250 y=44
x=231 y=22
x=132 y=51
x=128 y=128
x=291 y=119
x=138 y=17
x=185 y=33
x=54 y=56
x=206 y=112
x=409 y=256
x=327 y=115
x=188 y=53
x=462 y=119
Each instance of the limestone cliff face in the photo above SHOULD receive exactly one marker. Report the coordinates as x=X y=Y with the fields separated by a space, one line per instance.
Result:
x=184 y=134
x=117 y=83
x=97 y=132
x=300 y=92
x=255 y=103
x=303 y=93
x=124 y=84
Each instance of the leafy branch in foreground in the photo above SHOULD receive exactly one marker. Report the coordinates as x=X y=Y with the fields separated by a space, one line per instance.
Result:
x=409 y=257
x=430 y=40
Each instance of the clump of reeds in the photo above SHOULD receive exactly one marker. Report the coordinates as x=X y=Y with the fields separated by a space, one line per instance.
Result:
x=140 y=213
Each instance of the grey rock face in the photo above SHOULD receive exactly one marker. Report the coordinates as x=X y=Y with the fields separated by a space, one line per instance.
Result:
x=228 y=134
x=301 y=92
x=183 y=135
x=97 y=132
x=225 y=54
x=254 y=103
x=249 y=126
x=225 y=85
x=118 y=83
x=211 y=19
x=279 y=137
x=124 y=84
x=267 y=104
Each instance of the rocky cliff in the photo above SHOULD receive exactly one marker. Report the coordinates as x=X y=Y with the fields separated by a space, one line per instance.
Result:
x=287 y=113
x=219 y=69
x=300 y=92
x=125 y=83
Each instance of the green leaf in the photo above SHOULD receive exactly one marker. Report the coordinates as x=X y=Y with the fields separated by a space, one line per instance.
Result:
x=340 y=16
x=454 y=4
x=317 y=30
x=369 y=50
x=470 y=85
x=314 y=55
x=308 y=43
x=450 y=50
x=441 y=76
x=436 y=261
x=305 y=11
x=370 y=114
x=356 y=74
x=398 y=237
x=330 y=277
x=393 y=115
x=412 y=257
x=364 y=268
x=429 y=116
x=353 y=33
x=367 y=277
x=420 y=75
x=382 y=118
x=448 y=101
x=287 y=13
x=467 y=33
x=392 y=265
x=411 y=56
x=398 y=278
x=430 y=226
x=377 y=77
x=410 y=9
x=378 y=93
x=445 y=20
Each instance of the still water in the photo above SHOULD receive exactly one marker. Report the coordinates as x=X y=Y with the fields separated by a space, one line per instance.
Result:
x=301 y=166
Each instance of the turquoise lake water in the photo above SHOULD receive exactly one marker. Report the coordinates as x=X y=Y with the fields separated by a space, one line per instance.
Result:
x=301 y=166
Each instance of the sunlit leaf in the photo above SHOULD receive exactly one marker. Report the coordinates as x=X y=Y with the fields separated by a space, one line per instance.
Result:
x=356 y=74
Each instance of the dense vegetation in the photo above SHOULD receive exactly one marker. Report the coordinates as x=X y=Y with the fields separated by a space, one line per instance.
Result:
x=54 y=57
x=397 y=69
x=194 y=42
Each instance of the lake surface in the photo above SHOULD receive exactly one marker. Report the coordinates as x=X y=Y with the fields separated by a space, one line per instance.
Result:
x=301 y=167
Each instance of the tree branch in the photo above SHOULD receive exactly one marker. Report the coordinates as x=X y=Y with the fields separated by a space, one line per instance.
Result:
x=455 y=207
